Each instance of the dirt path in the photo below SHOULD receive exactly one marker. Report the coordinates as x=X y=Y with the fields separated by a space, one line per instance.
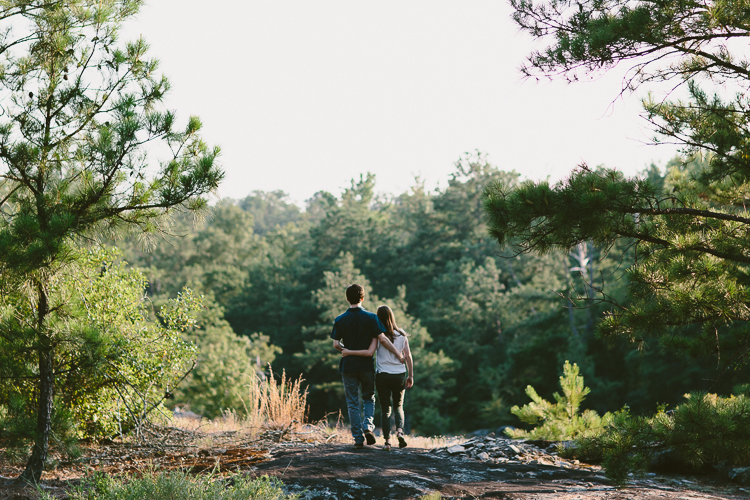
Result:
x=339 y=472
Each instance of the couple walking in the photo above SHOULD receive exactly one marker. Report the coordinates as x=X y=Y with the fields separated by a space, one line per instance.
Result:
x=357 y=334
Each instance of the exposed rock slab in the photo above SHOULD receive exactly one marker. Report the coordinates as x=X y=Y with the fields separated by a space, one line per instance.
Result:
x=339 y=472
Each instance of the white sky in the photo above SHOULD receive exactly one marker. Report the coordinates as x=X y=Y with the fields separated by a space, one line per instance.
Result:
x=304 y=95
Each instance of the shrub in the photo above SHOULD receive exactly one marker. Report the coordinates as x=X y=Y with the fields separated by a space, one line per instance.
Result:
x=705 y=430
x=114 y=362
x=177 y=485
x=559 y=421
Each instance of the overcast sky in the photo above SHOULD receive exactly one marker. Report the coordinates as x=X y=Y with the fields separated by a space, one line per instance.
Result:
x=305 y=95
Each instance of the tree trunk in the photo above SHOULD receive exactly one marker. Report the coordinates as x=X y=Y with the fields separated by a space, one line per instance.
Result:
x=35 y=465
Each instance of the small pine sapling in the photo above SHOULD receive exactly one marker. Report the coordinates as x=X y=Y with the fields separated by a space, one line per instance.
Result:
x=559 y=421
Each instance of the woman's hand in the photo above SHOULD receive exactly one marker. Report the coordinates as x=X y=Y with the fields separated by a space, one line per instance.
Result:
x=409 y=382
x=345 y=352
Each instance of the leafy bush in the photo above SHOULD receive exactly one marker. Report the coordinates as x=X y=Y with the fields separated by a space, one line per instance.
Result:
x=707 y=429
x=114 y=362
x=559 y=421
x=178 y=485
x=17 y=425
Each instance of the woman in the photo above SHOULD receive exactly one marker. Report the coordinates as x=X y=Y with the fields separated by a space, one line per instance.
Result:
x=392 y=377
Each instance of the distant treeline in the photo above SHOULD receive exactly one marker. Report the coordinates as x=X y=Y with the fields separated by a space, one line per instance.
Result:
x=484 y=323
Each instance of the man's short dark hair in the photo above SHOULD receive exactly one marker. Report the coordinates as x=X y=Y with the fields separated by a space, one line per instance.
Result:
x=355 y=293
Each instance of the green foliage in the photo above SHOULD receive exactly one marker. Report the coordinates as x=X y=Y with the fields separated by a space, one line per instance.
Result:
x=82 y=108
x=177 y=485
x=598 y=34
x=688 y=267
x=705 y=430
x=270 y=211
x=226 y=365
x=17 y=427
x=86 y=147
x=688 y=288
x=114 y=364
x=484 y=323
x=560 y=421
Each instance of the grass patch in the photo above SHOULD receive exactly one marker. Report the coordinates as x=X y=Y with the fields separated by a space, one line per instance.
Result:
x=178 y=485
x=432 y=496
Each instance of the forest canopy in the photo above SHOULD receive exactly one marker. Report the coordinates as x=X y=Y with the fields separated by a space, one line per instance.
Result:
x=485 y=323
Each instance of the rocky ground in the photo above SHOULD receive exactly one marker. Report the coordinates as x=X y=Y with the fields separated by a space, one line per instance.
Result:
x=483 y=467
x=340 y=472
x=503 y=451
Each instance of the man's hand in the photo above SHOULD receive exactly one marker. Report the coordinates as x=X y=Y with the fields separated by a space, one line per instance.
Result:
x=409 y=382
x=402 y=357
x=386 y=342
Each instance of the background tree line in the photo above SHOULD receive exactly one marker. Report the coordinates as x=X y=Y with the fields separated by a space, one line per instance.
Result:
x=485 y=322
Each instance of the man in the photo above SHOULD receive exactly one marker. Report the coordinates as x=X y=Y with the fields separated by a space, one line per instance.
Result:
x=357 y=329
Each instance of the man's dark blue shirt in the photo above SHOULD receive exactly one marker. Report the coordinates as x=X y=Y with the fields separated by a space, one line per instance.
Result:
x=355 y=329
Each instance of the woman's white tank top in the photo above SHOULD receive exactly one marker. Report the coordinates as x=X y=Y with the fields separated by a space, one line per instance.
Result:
x=386 y=361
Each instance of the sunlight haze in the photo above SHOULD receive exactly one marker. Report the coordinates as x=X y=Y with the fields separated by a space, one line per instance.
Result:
x=304 y=96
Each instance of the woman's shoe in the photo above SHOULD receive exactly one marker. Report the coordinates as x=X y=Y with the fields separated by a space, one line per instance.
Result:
x=401 y=440
x=387 y=446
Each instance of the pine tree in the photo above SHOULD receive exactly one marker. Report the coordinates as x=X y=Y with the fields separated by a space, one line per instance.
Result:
x=80 y=131
x=561 y=420
x=688 y=285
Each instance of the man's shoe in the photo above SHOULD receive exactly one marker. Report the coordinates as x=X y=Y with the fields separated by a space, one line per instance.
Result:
x=359 y=446
x=370 y=437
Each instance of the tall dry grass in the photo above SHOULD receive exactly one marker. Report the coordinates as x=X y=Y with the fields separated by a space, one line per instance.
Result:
x=276 y=404
x=274 y=408
x=430 y=442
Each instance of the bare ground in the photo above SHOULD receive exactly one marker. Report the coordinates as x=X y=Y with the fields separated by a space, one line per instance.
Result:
x=335 y=471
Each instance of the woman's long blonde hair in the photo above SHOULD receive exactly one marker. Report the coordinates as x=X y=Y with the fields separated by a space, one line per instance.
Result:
x=385 y=315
